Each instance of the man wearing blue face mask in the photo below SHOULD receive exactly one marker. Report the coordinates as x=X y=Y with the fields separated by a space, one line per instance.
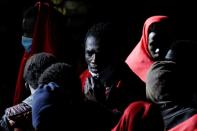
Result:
x=28 y=23
x=43 y=31
x=26 y=43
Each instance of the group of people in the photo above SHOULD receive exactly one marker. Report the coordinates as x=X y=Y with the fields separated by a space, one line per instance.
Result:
x=150 y=90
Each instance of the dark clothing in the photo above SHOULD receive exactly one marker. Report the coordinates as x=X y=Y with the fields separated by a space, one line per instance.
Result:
x=20 y=114
x=95 y=117
x=175 y=114
x=4 y=124
x=51 y=111
x=115 y=88
x=165 y=87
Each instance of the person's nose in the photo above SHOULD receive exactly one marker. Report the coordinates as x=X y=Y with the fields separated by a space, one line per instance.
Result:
x=93 y=60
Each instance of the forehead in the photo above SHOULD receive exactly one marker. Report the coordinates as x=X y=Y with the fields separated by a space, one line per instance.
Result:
x=99 y=44
x=162 y=26
x=92 y=43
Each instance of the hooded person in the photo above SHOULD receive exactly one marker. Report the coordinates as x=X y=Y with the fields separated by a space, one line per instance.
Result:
x=166 y=88
x=43 y=32
x=157 y=36
x=183 y=52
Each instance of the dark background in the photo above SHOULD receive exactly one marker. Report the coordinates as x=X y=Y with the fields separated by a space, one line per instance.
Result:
x=131 y=14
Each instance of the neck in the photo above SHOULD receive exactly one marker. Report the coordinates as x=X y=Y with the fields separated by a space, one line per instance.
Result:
x=32 y=90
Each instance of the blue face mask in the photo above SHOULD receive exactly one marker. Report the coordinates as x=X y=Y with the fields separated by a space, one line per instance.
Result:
x=26 y=42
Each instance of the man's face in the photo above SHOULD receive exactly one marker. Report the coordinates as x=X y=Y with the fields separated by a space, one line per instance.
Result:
x=160 y=38
x=158 y=45
x=95 y=55
x=153 y=45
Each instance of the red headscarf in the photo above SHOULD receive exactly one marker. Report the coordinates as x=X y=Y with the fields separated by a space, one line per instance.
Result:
x=139 y=60
x=42 y=42
x=140 y=116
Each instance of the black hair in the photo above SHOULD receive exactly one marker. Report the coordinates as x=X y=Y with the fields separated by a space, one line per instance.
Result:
x=111 y=35
x=99 y=30
x=63 y=75
x=103 y=31
x=29 y=19
x=182 y=51
x=35 y=66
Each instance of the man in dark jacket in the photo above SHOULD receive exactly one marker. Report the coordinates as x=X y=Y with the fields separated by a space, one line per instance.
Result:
x=108 y=80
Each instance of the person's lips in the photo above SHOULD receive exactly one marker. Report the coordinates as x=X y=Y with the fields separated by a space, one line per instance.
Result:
x=93 y=65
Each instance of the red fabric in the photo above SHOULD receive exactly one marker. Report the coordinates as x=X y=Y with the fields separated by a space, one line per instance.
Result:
x=188 y=125
x=20 y=86
x=84 y=75
x=139 y=60
x=140 y=116
x=42 y=42
x=42 y=39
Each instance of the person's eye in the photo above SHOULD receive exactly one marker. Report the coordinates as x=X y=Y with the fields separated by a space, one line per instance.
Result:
x=89 y=53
